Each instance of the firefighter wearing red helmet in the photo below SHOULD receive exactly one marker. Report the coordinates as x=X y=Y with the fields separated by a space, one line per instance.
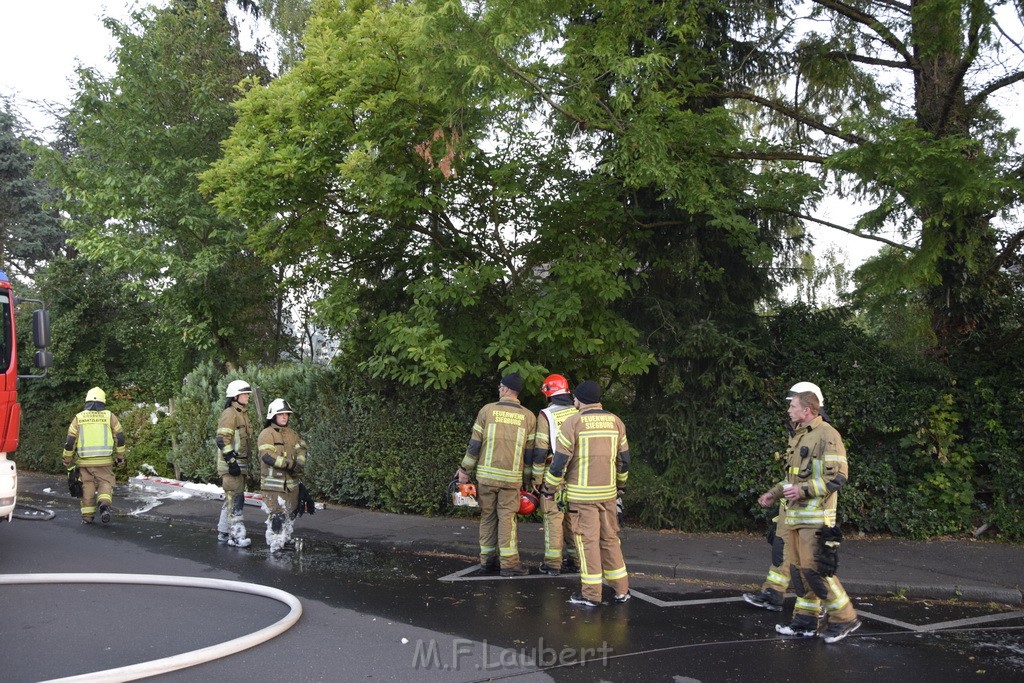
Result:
x=556 y=523
x=592 y=460
x=501 y=442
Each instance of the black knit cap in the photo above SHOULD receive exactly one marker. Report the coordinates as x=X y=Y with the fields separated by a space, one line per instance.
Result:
x=513 y=381
x=588 y=392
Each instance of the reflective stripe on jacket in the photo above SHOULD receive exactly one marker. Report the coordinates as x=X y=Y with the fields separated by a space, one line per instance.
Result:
x=591 y=457
x=815 y=462
x=287 y=451
x=500 y=444
x=234 y=433
x=96 y=434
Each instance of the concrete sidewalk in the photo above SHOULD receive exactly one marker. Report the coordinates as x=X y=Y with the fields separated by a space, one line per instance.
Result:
x=970 y=570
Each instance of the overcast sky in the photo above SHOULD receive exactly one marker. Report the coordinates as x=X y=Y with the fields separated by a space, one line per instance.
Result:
x=41 y=41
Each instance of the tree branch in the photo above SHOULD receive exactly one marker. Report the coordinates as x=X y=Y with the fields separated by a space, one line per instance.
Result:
x=875 y=25
x=774 y=156
x=874 y=61
x=993 y=86
x=841 y=228
x=794 y=114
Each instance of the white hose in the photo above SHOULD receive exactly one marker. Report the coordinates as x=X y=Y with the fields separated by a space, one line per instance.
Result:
x=187 y=659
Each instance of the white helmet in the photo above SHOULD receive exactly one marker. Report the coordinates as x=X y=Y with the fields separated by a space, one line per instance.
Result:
x=801 y=387
x=278 y=406
x=238 y=387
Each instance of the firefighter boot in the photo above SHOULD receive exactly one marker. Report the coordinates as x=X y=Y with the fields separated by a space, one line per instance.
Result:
x=105 y=513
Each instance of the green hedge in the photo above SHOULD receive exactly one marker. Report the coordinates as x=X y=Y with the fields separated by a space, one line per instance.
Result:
x=934 y=448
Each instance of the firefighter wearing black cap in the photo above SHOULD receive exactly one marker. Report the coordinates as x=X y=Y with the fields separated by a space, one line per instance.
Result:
x=556 y=523
x=816 y=470
x=283 y=458
x=234 y=447
x=592 y=459
x=97 y=435
x=499 y=447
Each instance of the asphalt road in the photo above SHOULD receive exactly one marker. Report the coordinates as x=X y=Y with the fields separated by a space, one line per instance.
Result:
x=376 y=615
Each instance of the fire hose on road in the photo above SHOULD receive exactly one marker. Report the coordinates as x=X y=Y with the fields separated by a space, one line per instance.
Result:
x=186 y=659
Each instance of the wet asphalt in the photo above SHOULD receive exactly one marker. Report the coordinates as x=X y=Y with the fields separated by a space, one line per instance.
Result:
x=375 y=614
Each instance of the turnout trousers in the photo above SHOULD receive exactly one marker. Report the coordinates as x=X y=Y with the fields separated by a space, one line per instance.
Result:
x=812 y=589
x=498 y=510
x=95 y=479
x=557 y=528
x=595 y=528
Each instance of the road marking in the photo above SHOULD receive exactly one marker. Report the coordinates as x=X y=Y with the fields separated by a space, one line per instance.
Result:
x=463 y=575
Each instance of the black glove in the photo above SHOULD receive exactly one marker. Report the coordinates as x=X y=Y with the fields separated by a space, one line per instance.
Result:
x=770 y=535
x=75 y=482
x=829 y=539
x=229 y=456
x=618 y=508
x=233 y=469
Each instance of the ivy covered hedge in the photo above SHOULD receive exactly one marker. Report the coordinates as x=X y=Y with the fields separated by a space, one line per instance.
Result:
x=934 y=448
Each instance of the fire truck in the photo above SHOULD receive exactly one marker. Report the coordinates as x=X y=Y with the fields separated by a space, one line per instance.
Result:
x=10 y=409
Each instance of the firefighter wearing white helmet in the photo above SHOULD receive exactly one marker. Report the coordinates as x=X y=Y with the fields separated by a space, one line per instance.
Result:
x=776 y=583
x=282 y=460
x=816 y=469
x=234 y=452
x=97 y=436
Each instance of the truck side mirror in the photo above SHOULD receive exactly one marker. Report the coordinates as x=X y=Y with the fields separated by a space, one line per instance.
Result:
x=44 y=359
x=41 y=331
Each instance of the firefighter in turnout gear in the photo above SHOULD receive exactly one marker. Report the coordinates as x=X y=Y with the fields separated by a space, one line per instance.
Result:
x=282 y=457
x=499 y=446
x=816 y=468
x=592 y=460
x=556 y=522
x=234 y=449
x=776 y=583
x=97 y=435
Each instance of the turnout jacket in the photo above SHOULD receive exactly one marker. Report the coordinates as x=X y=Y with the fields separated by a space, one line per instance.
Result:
x=282 y=457
x=815 y=462
x=500 y=444
x=591 y=456
x=549 y=421
x=96 y=433
x=234 y=435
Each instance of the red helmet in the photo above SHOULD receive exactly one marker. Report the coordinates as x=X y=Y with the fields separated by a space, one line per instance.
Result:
x=554 y=385
x=527 y=502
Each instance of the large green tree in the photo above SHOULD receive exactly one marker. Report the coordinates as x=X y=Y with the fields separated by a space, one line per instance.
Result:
x=896 y=105
x=30 y=232
x=141 y=137
x=519 y=183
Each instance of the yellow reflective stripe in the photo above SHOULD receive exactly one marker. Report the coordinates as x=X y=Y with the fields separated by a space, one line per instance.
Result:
x=615 y=573
x=841 y=599
x=96 y=461
x=88 y=509
x=833 y=457
x=794 y=470
x=590 y=579
x=498 y=474
x=579 y=492
x=777 y=579
x=817 y=487
x=805 y=604
x=488 y=549
x=552 y=480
